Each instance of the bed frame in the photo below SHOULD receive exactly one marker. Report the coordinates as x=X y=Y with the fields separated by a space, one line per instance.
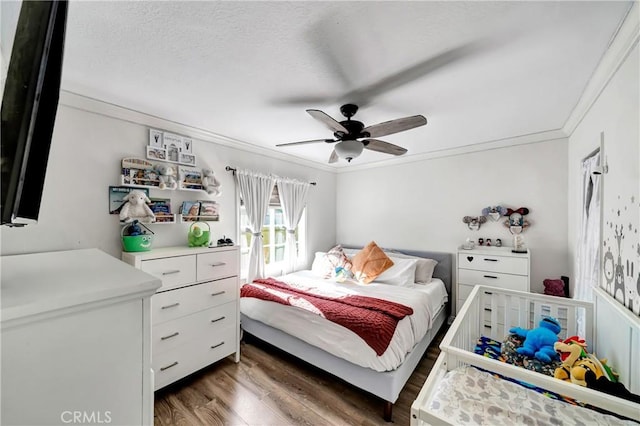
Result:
x=612 y=331
x=386 y=385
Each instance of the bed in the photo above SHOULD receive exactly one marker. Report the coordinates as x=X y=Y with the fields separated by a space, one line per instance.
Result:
x=383 y=376
x=611 y=332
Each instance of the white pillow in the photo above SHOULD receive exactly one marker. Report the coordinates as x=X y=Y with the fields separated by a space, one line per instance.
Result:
x=424 y=268
x=321 y=265
x=402 y=272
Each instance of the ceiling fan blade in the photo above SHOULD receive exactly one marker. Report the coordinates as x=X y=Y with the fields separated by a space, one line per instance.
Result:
x=306 y=142
x=334 y=157
x=395 y=126
x=304 y=100
x=327 y=120
x=382 y=146
x=365 y=94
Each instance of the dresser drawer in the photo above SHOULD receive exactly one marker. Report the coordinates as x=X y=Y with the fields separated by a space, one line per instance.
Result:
x=508 y=281
x=179 y=302
x=173 y=271
x=491 y=263
x=220 y=264
x=193 y=355
x=200 y=325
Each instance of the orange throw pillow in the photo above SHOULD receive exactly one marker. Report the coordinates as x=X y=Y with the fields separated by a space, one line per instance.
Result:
x=369 y=263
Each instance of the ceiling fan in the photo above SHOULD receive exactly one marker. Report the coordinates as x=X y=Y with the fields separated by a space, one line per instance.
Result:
x=352 y=137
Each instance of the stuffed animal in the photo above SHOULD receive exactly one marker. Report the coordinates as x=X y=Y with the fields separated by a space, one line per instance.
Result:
x=590 y=363
x=136 y=207
x=538 y=342
x=210 y=183
x=570 y=350
x=166 y=176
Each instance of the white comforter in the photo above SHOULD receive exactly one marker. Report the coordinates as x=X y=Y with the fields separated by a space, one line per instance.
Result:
x=425 y=300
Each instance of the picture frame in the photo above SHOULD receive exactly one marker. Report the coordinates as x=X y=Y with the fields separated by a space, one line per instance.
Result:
x=187 y=145
x=173 y=145
x=187 y=159
x=154 y=153
x=155 y=138
x=116 y=197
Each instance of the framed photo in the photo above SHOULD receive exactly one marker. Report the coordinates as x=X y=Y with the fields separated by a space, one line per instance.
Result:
x=116 y=197
x=173 y=145
x=187 y=159
x=155 y=138
x=154 y=153
x=187 y=145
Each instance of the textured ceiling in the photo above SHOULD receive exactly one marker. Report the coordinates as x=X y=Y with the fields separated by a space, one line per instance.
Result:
x=232 y=67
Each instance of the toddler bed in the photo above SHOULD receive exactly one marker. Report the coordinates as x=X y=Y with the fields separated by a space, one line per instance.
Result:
x=340 y=351
x=612 y=332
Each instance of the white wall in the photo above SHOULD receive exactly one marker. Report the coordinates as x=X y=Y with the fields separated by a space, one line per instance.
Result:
x=616 y=113
x=420 y=205
x=85 y=160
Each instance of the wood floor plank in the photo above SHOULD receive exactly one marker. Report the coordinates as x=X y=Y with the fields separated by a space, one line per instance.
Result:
x=269 y=387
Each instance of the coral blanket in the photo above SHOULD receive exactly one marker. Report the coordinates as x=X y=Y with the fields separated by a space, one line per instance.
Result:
x=374 y=320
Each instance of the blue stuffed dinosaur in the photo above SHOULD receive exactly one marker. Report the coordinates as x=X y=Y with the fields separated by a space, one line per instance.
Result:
x=538 y=342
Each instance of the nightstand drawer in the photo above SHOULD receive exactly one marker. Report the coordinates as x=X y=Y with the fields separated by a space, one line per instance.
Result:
x=173 y=271
x=217 y=265
x=174 y=304
x=508 y=281
x=201 y=325
x=492 y=263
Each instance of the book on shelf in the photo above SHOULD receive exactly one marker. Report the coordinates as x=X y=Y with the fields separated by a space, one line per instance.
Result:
x=190 y=210
x=161 y=208
x=209 y=210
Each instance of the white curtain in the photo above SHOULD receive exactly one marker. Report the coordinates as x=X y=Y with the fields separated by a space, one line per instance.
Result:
x=293 y=198
x=255 y=190
x=588 y=252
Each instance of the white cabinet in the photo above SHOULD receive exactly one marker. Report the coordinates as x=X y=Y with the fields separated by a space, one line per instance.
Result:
x=196 y=313
x=76 y=340
x=491 y=266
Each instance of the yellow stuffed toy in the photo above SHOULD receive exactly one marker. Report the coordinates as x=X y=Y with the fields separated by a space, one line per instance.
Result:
x=578 y=362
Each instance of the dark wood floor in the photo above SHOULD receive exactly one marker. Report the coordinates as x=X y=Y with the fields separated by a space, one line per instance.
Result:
x=270 y=387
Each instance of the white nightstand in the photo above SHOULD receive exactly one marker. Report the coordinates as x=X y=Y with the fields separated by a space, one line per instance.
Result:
x=492 y=266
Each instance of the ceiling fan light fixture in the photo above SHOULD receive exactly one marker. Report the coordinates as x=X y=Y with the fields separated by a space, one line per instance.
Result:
x=349 y=149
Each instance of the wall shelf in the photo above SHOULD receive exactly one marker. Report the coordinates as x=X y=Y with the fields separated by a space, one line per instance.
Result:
x=193 y=219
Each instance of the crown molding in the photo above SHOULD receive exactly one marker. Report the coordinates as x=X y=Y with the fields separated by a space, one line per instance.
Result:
x=106 y=109
x=623 y=42
x=539 y=137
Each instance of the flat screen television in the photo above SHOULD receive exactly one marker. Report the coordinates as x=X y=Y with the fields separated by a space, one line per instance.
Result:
x=29 y=105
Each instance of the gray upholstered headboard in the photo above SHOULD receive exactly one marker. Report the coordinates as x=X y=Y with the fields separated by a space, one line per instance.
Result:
x=443 y=268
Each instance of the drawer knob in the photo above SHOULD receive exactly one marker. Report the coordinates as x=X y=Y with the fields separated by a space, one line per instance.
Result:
x=218 y=319
x=218 y=264
x=175 y=271
x=173 y=305
x=218 y=345
x=490 y=260
x=169 y=366
x=218 y=293
x=491 y=276
x=170 y=336
x=469 y=258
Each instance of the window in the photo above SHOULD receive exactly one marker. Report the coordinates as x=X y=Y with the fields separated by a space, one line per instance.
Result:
x=274 y=235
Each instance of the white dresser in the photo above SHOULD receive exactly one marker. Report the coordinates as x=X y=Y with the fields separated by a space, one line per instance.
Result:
x=76 y=344
x=195 y=314
x=492 y=266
